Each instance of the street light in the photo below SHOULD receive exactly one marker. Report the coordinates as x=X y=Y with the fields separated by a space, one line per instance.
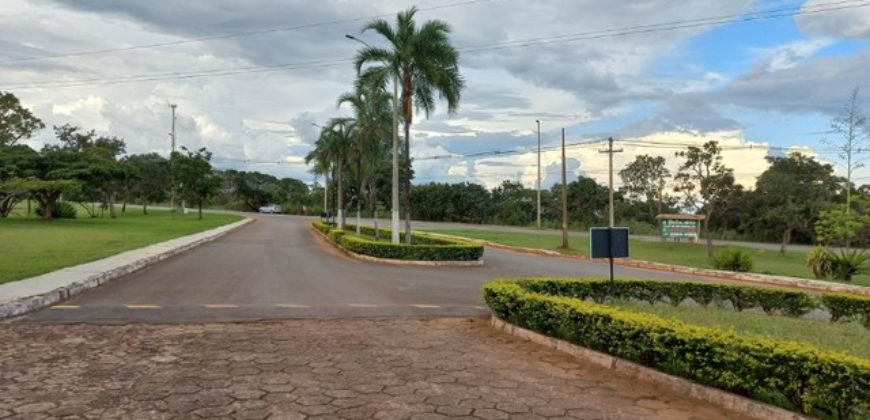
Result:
x=395 y=187
x=539 y=172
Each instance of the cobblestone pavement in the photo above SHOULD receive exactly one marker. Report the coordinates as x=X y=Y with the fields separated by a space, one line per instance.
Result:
x=362 y=368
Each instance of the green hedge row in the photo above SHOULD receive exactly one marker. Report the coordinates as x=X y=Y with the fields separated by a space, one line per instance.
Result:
x=443 y=250
x=416 y=237
x=812 y=380
x=786 y=302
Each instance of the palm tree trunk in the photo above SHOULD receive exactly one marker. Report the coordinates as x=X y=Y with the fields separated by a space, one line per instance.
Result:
x=373 y=196
x=408 y=182
x=340 y=199
x=359 y=193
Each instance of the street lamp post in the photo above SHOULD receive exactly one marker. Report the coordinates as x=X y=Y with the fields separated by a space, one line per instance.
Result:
x=394 y=221
x=539 y=172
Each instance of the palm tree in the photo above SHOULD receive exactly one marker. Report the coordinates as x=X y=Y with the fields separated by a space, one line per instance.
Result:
x=330 y=153
x=424 y=63
x=371 y=105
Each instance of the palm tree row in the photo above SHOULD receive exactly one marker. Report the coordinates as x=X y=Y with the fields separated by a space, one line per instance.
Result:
x=419 y=62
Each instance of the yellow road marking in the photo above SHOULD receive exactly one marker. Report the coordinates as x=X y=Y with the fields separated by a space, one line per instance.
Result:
x=65 y=307
x=220 y=305
x=362 y=305
x=425 y=306
x=142 y=306
x=291 y=305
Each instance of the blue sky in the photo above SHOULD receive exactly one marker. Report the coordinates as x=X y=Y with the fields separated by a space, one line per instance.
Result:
x=771 y=82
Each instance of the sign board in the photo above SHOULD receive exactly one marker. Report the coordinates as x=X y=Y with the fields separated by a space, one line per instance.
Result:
x=680 y=229
x=608 y=242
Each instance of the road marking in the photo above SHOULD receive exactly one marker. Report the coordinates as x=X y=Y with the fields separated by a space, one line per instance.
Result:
x=142 y=306
x=362 y=305
x=65 y=307
x=220 y=305
x=291 y=305
x=425 y=306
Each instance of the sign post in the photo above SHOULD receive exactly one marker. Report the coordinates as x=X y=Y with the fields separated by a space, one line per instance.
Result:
x=608 y=242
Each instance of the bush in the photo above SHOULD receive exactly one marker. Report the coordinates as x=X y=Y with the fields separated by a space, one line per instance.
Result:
x=843 y=265
x=846 y=307
x=790 y=303
x=819 y=262
x=733 y=259
x=810 y=379
x=60 y=210
x=424 y=248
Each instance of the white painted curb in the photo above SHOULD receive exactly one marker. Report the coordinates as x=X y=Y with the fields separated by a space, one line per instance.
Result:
x=26 y=295
x=727 y=400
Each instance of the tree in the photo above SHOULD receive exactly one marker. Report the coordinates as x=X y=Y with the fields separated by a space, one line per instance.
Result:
x=795 y=189
x=16 y=122
x=425 y=63
x=514 y=204
x=851 y=129
x=15 y=162
x=334 y=146
x=192 y=173
x=836 y=226
x=46 y=192
x=704 y=181
x=371 y=105
x=645 y=179
x=152 y=177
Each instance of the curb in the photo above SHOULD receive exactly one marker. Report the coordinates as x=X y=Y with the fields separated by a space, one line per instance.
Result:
x=31 y=303
x=783 y=281
x=367 y=258
x=718 y=397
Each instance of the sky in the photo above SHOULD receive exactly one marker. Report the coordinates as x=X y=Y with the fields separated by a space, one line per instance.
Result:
x=251 y=79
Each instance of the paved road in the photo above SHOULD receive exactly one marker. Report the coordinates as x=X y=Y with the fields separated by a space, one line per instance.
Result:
x=277 y=267
x=294 y=369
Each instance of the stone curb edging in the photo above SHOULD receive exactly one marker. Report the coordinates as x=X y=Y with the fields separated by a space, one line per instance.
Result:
x=784 y=281
x=367 y=258
x=718 y=397
x=31 y=303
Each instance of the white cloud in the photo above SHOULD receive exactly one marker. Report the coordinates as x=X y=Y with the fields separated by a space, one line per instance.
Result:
x=846 y=23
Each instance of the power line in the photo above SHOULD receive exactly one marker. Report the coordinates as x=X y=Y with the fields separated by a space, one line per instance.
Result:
x=642 y=29
x=231 y=35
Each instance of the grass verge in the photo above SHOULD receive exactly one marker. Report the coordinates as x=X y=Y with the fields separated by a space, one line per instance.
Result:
x=691 y=255
x=31 y=246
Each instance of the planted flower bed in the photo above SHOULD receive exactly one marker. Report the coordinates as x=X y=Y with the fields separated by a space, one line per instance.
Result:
x=422 y=248
x=797 y=375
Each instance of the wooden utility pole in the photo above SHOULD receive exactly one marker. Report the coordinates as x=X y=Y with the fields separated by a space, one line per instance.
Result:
x=564 y=196
x=610 y=151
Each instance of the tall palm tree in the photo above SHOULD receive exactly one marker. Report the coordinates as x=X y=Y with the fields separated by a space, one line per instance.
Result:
x=424 y=63
x=371 y=105
x=331 y=151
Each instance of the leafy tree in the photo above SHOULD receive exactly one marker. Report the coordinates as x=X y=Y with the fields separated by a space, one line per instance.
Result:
x=794 y=190
x=836 y=226
x=151 y=179
x=15 y=162
x=514 y=204
x=192 y=173
x=704 y=181
x=425 y=63
x=16 y=122
x=646 y=179
x=46 y=192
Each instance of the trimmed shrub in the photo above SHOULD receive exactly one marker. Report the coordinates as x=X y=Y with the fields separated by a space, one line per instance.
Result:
x=846 y=307
x=733 y=259
x=60 y=210
x=786 y=302
x=810 y=379
x=423 y=248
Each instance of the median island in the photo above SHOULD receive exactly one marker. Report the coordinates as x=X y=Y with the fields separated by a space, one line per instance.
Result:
x=376 y=244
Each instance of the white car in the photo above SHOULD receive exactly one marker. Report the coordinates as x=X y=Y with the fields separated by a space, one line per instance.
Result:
x=271 y=209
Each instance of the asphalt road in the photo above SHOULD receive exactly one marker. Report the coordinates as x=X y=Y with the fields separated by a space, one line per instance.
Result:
x=278 y=267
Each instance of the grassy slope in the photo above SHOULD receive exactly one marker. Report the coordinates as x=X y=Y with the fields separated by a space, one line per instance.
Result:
x=766 y=261
x=30 y=246
x=851 y=337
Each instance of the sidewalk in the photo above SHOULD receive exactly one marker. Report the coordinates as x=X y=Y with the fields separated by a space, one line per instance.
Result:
x=21 y=296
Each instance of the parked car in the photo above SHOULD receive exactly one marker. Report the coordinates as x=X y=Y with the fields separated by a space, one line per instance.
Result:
x=271 y=209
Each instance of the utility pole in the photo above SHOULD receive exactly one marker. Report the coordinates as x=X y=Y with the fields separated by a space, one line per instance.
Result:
x=394 y=214
x=539 y=172
x=172 y=180
x=610 y=151
x=564 y=197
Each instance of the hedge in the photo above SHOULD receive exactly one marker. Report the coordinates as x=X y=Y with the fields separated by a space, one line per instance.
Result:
x=786 y=302
x=812 y=380
x=846 y=307
x=426 y=248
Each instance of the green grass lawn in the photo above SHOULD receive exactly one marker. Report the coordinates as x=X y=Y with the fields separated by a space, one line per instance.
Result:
x=850 y=337
x=692 y=255
x=30 y=246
